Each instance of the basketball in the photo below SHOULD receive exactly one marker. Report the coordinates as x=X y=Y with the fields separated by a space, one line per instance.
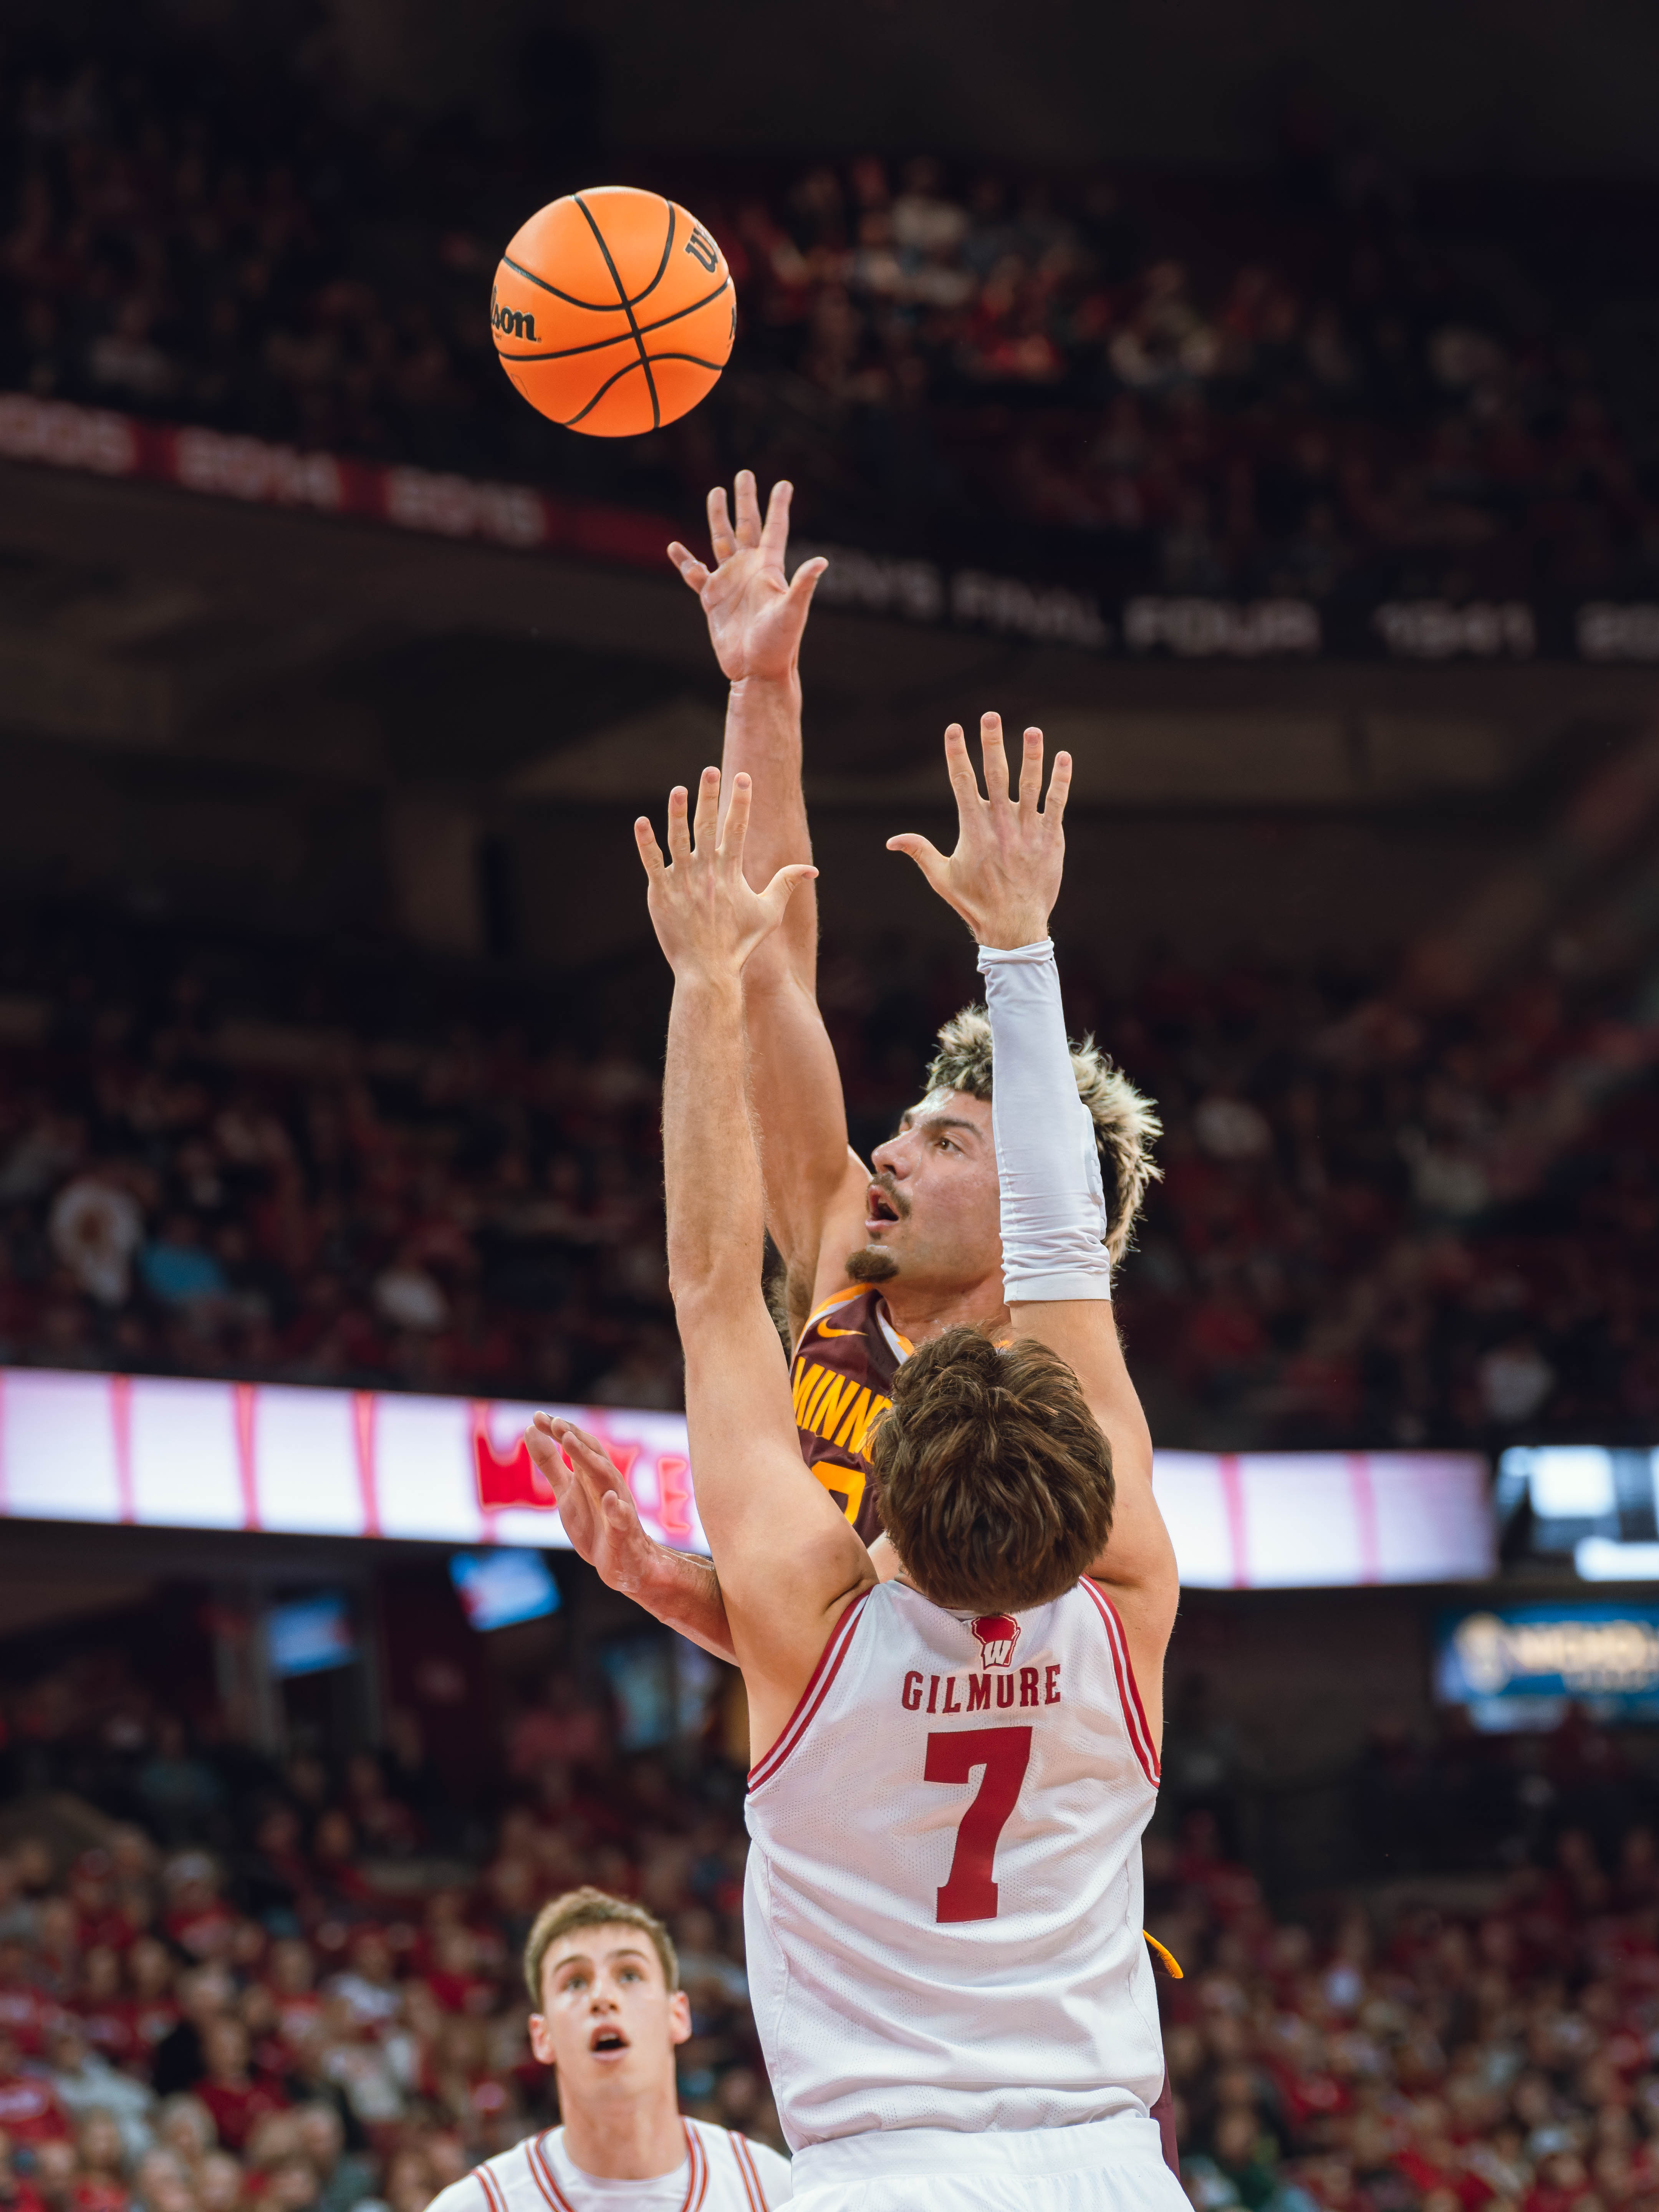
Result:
x=613 y=311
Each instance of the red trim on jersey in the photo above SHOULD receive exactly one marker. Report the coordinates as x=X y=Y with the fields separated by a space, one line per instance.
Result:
x=1134 y=1713
x=812 y=1696
x=541 y=2171
x=494 y=2194
x=696 y=2182
x=698 y=2178
x=750 y=2173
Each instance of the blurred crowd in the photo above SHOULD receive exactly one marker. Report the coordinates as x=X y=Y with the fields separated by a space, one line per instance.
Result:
x=1491 y=2045
x=1379 y=1224
x=266 y=1993
x=1307 y=385
x=314 y=2011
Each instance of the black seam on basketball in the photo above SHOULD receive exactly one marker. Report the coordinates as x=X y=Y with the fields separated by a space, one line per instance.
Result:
x=560 y=352
x=662 y=321
x=667 y=247
x=598 y=345
x=593 y=307
x=650 y=380
x=626 y=369
x=696 y=359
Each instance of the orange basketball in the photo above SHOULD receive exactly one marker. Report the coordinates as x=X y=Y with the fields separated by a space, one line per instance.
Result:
x=613 y=311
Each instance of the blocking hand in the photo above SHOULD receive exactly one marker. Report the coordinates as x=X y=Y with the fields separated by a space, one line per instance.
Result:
x=756 y=614
x=1004 y=877
x=596 y=1506
x=706 y=917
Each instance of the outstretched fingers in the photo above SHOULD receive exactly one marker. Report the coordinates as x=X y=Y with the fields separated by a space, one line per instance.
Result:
x=644 y=837
x=1030 y=772
x=589 y=1468
x=719 y=525
x=585 y=1452
x=1060 y=785
x=996 y=759
x=735 y=828
x=706 y=821
x=781 y=889
x=804 y=582
x=926 y=854
x=679 y=832
x=775 y=535
x=960 y=769
x=749 y=516
x=696 y=574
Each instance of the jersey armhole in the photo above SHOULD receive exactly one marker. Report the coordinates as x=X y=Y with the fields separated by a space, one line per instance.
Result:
x=817 y=1689
x=1134 y=1713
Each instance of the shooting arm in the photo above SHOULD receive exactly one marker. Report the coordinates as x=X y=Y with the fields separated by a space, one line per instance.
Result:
x=1058 y=1277
x=756 y=618
x=815 y=1185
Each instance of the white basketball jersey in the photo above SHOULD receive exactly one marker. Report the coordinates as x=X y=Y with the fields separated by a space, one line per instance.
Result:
x=722 y=2173
x=943 y=1906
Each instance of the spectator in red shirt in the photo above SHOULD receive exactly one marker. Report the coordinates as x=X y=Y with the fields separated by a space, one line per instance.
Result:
x=235 y=2096
x=29 y=2110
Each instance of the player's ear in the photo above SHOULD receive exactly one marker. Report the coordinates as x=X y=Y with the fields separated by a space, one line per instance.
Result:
x=541 y=2038
x=679 y=2017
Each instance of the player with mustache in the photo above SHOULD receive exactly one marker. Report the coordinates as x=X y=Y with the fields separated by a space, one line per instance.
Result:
x=881 y=1258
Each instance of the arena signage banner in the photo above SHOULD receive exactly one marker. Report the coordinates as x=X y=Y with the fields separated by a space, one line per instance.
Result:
x=165 y=1452
x=56 y=433
x=1519 y=1666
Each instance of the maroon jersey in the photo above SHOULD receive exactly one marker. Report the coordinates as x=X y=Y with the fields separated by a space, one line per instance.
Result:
x=842 y=1377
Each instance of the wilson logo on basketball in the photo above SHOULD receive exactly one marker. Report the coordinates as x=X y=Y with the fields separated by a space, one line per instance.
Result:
x=998 y=1633
x=511 y=322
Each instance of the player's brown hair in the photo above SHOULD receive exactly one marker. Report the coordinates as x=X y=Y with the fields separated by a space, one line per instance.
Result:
x=995 y=1479
x=592 y=1908
x=1126 y=1120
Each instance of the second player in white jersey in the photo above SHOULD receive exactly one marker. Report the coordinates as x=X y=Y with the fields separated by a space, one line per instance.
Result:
x=721 y=2173
x=609 y=2015
x=944 y=1887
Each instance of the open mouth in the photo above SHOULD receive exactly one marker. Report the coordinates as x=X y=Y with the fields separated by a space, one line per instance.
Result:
x=879 y=1207
x=607 y=2040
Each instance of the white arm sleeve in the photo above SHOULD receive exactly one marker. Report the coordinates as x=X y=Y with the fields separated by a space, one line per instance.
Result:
x=1054 y=1207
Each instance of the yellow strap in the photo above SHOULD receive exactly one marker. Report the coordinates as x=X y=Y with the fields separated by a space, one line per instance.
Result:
x=1171 y=1964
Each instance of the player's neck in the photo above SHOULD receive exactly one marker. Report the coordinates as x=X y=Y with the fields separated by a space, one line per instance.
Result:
x=921 y=1311
x=637 y=2139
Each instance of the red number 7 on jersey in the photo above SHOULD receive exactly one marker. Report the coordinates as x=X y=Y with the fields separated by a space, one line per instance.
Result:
x=970 y=1893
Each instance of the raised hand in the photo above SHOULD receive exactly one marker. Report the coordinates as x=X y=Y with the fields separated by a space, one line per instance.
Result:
x=596 y=1506
x=756 y=614
x=1004 y=877
x=709 y=919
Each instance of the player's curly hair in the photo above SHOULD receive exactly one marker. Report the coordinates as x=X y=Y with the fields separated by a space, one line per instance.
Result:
x=1126 y=1120
x=994 y=1478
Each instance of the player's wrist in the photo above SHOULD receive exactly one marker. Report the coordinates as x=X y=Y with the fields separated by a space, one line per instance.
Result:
x=1010 y=927
x=758 y=685
x=713 y=978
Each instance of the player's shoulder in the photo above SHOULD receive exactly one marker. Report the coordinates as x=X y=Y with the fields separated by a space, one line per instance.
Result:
x=762 y=2174
x=502 y=2184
